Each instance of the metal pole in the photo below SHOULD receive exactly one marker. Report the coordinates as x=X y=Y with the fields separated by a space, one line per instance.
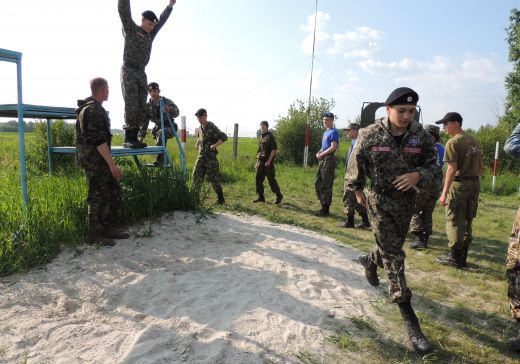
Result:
x=495 y=167
x=183 y=133
x=235 y=141
x=49 y=142
x=23 y=168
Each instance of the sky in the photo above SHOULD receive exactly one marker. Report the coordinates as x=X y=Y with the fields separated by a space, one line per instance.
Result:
x=246 y=61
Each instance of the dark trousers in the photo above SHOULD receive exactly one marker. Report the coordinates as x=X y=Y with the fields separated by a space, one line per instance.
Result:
x=261 y=172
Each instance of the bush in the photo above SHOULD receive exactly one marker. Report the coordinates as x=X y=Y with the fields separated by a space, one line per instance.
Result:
x=290 y=130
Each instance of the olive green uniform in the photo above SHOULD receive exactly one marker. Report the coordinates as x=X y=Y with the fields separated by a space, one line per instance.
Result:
x=266 y=145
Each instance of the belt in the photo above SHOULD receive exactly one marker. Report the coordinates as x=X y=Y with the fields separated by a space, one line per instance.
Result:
x=393 y=193
x=468 y=178
x=134 y=66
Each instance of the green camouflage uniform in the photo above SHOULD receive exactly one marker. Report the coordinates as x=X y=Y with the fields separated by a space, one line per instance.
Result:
x=104 y=191
x=513 y=268
x=136 y=55
x=425 y=202
x=207 y=163
x=378 y=157
x=153 y=111
x=266 y=145
x=325 y=179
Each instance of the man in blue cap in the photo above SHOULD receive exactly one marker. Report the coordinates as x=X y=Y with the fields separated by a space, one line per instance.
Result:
x=396 y=154
x=327 y=164
x=137 y=50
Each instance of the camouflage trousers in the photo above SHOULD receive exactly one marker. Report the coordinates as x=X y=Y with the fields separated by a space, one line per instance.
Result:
x=133 y=85
x=423 y=207
x=261 y=173
x=350 y=202
x=325 y=179
x=461 y=208
x=104 y=197
x=207 y=166
x=513 y=268
x=390 y=219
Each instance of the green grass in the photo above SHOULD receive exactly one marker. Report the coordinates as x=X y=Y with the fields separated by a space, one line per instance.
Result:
x=463 y=312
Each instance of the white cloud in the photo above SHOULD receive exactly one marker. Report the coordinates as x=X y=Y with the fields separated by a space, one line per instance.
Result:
x=361 y=43
x=321 y=36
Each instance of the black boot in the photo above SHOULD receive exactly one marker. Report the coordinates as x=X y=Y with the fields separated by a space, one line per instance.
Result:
x=420 y=242
x=94 y=237
x=370 y=269
x=365 y=224
x=279 y=198
x=453 y=259
x=220 y=198
x=260 y=198
x=131 y=140
x=349 y=222
x=419 y=342
x=464 y=257
x=324 y=211
x=112 y=232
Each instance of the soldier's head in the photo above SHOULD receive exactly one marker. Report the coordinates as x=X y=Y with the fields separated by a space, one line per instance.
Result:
x=154 y=91
x=401 y=106
x=148 y=21
x=352 y=130
x=264 y=126
x=99 y=89
x=434 y=131
x=328 y=119
x=202 y=116
x=452 y=123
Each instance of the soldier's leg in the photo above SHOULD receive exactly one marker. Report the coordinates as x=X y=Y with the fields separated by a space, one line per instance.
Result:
x=349 y=202
x=143 y=130
x=213 y=176
x=130 y=88
x=271 y=178
x=327 y=183
x=98 y=204
x=318 y=182
x=513 y=279
x=199 y=171
x=259 y=178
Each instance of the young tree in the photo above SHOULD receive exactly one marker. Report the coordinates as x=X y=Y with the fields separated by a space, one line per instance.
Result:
x=512 y=82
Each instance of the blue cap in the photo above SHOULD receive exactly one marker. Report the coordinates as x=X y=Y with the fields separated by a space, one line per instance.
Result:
x=328 y=114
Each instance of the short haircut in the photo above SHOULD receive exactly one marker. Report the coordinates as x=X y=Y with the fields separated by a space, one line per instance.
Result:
x=264 y=122
x=97 y=84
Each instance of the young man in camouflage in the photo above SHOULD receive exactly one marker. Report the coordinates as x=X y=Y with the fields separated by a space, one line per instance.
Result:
x=154 y=114
x=265 y=164
x=396 y=154
x=93 y=138
x=327 y=164
x=463 y=155
x=137 y=50
x=349 y=197
x=421 y=224
x=210 y=138
x=512 y=147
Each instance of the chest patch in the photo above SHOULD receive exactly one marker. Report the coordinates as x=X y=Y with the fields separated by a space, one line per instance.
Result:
x=381 y=149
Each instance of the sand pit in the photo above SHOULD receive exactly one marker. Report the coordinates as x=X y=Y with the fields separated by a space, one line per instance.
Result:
x=221 y=289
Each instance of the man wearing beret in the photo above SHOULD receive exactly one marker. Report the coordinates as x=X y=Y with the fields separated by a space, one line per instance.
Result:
x=463 y=155
x=209 y=139
x=396 y=154
x=349 y=197
x=421 y=224
x=137 y=50
x=170 y=112
x=327 y=164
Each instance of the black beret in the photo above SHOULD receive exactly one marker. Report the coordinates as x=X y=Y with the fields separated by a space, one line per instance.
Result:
x=328 y=114
x=153 y=86
x=201 y=112
x=402 y=96
x=451 y=116
x=150 y=15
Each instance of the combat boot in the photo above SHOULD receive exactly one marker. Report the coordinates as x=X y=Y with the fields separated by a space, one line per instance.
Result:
x=420 y=242
x=324 y=211
x=131 y=140
x=464 y=257
x=141 y=140
x=453 y=259
x=370 y=269
x=93 y=237
x=349 y=223
x=365 y=224
x=279 y=198
x=419 y=342
x=112 y=232
x=220 y=198
x=260 y=198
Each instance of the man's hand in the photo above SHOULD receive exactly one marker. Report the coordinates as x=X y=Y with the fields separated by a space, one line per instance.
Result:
x=213 y=147
x=318 y=156
x=442 y=199
x=267 y=164
x=407 y=181
x=361 y=198
x=172 y=2
x=166 y=109
x=116 y=171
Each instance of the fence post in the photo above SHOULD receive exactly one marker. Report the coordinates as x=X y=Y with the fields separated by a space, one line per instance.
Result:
x=235 y=141
x=183 y=133
x=495 y=167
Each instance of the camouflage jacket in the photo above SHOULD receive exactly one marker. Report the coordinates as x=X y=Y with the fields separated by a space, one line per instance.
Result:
x=266 y=145
x=92 y=130
x=378 y=157
x=138 y=43
x=154 y=111
x=208 y=136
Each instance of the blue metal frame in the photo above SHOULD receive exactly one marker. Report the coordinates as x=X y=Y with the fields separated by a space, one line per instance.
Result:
x=170 y=122
x=16 y=57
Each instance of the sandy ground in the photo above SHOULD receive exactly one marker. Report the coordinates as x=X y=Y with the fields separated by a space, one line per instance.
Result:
x=218 y=289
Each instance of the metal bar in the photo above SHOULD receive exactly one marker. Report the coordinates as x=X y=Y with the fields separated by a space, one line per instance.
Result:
x=182 y=154
x=235 y=141
x=166 y=157
x=49 y=142
x=21 y=131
